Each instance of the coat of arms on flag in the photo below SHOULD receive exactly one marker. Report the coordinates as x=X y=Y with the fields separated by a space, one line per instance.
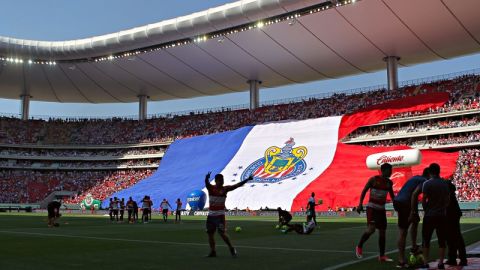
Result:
x=278 y=164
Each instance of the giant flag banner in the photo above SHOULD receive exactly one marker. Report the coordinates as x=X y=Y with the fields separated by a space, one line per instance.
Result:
x=288 y=160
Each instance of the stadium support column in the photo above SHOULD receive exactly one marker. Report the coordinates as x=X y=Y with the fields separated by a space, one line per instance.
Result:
x=392 y=71
x=142 y=107
x=25 y=106
x=254 y=94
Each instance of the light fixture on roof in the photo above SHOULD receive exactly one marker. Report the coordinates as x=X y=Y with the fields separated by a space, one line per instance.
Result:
x=260 y=24
x=30 y=61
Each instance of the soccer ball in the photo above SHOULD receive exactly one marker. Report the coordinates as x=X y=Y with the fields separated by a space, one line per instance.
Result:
x=416 y=260
x=277 y=227
x=238 y=229
x=420 y=259
x=284 y=227
x=412 y=260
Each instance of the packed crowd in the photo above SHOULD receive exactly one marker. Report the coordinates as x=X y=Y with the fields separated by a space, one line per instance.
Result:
x=120 y=131
x=464 y=95
x=431 y=141
x=18 y=186
x=9 y=163
x=412 y=127
x=24 y=152
x=467 y=175
x=110 y=184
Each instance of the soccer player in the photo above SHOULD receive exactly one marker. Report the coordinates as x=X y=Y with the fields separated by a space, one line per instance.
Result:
x=115 y=208
x=165 y=205
x=53 y=209
x=284 y=217
x=455 y=240
x=302 y=228
x=122 y=209
x=178 y=211
x=135 y=211
x=380 y=186
x=311 y=212
x=110 y=209
x=402 y=205
x=146 y=207
x=436 y=197
x=217 y=194
x=151 y=209
x=130 y=209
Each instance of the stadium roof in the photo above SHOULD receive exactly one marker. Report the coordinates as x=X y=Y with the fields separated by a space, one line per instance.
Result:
x=218 y=50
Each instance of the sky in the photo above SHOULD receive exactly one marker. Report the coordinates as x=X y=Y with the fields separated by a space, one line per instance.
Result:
x=64 y=20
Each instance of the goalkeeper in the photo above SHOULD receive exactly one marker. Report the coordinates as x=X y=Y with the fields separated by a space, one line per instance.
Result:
x=302 y=228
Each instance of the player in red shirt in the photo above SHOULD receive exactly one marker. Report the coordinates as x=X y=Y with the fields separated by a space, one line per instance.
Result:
x=217 y=195
x=380 y=186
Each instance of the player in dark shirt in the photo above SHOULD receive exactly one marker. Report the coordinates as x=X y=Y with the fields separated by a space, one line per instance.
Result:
x=311 y=212
x=130 y=209
x=53 y=209
x=455 y=240
x=284 y=217
x=122 y=209
x=110 y=209
x=402 y=205
x=436 y=197
x=135 y=211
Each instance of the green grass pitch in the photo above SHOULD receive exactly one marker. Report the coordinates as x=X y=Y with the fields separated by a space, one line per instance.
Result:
x=92 y=242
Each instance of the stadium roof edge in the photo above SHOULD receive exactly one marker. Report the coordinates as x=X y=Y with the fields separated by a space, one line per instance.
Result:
x=167 y=31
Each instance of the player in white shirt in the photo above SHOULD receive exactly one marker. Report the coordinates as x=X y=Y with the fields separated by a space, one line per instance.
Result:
x=147 y=208
x=165 y=205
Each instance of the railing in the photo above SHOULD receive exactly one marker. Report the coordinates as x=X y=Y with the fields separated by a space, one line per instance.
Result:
x=85 y=146
x=264 y=103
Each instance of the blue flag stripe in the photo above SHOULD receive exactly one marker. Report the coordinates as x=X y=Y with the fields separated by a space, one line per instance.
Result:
x=184 y=166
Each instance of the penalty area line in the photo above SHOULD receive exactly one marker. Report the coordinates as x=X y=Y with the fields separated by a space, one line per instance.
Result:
x=173 y=243
x=338 y=266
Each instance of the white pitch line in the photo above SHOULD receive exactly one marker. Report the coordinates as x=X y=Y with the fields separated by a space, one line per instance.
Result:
x=338 y=266
x=173 y=243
